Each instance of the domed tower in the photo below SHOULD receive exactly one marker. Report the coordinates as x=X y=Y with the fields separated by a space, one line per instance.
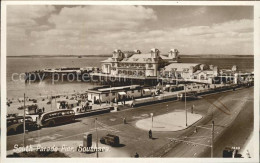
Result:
x=137 y=51
x=117 y=55
x=155 y=53
x=234 y=68
x=174 y=55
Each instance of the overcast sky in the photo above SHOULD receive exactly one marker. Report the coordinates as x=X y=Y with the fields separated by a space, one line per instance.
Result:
x=93 y=30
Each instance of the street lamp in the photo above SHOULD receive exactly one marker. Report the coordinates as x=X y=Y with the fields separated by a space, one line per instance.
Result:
x=110 y=95
x=186 y=107
x=152 y=119
x=97 y=135
x=212 y=139
x=24 y=120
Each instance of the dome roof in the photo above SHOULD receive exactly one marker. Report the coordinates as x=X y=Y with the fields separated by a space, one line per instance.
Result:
x=154 y=50
x=174 y=50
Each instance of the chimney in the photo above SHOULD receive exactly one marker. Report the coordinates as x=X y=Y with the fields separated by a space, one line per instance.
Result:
x=137 y=51
x=201 y=66
x=155 y=53
x=173 y=54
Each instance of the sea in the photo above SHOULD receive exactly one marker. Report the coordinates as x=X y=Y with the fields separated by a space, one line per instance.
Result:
x=16 y=88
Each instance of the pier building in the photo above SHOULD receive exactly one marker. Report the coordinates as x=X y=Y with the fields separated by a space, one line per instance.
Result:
x=107 y=94
x=134 y=64
x=156 y=66
x=196 y=72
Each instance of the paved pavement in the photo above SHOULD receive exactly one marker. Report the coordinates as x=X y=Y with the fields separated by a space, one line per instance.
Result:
x=173 y=121
x=134 y=139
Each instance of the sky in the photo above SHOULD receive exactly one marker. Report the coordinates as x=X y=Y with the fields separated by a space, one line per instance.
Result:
x=94 y=30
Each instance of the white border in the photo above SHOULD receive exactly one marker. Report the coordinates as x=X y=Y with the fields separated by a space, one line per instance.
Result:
x=185 y=3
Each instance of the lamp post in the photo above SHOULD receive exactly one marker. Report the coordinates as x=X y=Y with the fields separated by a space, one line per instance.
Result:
x=24 y=120
x=51 y=100
x=212 y=139
x=186 y=107
x=152 y=119
x=110 y=95
x=97 y=135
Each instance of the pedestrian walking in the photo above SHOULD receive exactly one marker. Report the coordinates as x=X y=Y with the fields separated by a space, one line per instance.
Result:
x=124 y=120
x=192 y=108
x=136 y=155
x=150 y=134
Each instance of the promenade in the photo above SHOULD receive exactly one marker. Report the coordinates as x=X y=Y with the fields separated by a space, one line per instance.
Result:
x=134 y=139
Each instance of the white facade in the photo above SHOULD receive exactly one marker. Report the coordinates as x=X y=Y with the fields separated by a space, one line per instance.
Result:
x=134 y=64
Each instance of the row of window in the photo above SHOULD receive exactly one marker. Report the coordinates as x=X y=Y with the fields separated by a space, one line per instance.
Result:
x=131 y=72
x=57 y=114
x=20 y=120
x=113 y=94
x=131 y=64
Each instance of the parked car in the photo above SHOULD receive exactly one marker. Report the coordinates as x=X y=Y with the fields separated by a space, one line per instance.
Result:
x=110 y=140
x=15 y=124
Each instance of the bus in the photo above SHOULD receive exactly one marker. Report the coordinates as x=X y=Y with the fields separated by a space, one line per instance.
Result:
x=56 y=117
x=15 y=124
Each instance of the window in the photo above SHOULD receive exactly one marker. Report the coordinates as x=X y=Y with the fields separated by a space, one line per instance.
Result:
x=133 y=91
x=150 y=65
x=106 y=94
x=113 y=93
x=139 y=90
x=46 y=117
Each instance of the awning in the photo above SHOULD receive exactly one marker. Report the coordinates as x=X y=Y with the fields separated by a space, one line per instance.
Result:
x=147 y=90
x=121 y=93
